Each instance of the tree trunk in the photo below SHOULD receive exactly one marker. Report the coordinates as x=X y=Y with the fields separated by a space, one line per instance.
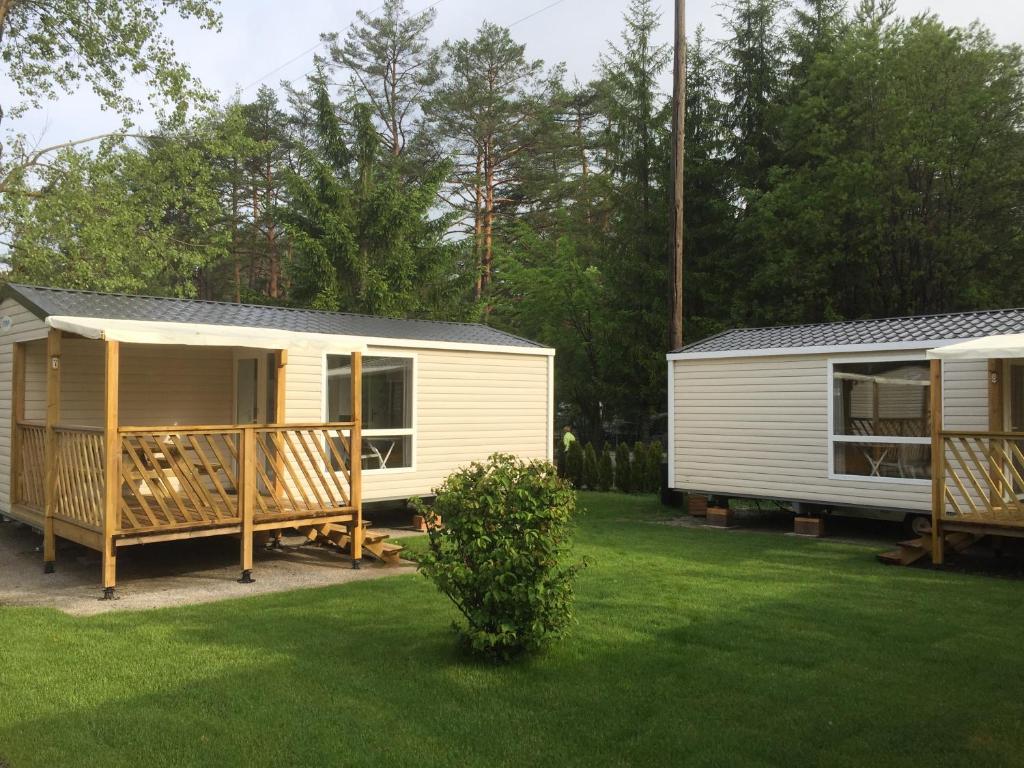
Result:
x=478 y=229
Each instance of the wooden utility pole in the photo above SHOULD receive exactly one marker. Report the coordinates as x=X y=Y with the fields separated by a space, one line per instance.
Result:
x=678 y=146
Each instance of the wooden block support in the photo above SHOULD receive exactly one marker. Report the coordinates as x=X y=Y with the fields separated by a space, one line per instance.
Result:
x=720 y=517
x=809 y=526
x=697 y=505
x=419 y=522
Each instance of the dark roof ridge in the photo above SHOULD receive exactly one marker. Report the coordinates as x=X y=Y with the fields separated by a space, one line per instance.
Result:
x=297 y=310
x=937 y=326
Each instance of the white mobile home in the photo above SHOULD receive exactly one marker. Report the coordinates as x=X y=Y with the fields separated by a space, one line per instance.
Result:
x=870 y=414
x=136 y=419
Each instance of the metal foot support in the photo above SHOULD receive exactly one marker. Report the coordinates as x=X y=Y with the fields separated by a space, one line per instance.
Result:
x=109 y=593
x=356 y=565
x=49 y=566
x=247 y=578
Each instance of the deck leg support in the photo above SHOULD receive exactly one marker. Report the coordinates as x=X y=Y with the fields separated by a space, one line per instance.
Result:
x=109 y=593
x=356 y=565
x=49 y=567
x=247 y=577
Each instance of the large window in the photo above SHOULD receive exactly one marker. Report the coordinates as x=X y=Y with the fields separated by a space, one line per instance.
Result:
x=387 y=407
x=881 y=420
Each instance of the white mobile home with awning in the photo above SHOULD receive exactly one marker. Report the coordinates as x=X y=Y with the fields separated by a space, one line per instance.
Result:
x=851 y=414
x=136 y=418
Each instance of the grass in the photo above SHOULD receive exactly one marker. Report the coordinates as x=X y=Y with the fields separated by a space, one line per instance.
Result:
x=708 y=648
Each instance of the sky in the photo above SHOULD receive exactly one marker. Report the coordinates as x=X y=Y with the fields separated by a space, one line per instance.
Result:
x=260 y=36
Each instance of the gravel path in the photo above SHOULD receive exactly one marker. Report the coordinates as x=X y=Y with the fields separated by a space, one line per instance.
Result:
x=166 y=574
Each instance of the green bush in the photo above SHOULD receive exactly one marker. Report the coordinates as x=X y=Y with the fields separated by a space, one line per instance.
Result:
x=623 y=479
x=605 y=471
x=574 y=463
x=501 y=554
x=655 y=453
x=590 y=466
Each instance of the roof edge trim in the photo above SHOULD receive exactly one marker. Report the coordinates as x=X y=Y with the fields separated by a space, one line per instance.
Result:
x=892 y=346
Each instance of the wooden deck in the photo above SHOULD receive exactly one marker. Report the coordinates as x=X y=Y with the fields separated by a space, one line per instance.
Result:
x=114 y=485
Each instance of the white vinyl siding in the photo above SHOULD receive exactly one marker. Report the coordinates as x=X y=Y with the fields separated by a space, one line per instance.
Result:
x=25 y=326
x=468 y=404
x=759 y=427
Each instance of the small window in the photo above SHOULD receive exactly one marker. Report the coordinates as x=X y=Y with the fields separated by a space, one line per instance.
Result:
x=881 y=420
x=387 y=407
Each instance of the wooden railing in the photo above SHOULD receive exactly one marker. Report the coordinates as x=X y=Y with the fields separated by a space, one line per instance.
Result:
x=303 y=468
x=30 y=482
x=79 y=483
x=179 y=478
x=191 y=477
x=983 y=477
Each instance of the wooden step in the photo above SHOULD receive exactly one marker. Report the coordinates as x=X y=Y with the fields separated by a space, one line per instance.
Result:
x=389 y=554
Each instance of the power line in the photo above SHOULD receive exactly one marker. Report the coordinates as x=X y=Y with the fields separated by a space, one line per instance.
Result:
x=535 y=13
x=306 y=52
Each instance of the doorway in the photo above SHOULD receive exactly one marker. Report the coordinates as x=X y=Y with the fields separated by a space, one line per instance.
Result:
x=255 y=388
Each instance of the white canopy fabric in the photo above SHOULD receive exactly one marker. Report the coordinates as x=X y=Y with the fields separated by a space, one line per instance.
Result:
x=985 y=348
x=201 y=335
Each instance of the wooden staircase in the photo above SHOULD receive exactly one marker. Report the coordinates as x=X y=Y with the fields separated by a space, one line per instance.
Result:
x=375 y=545
x=911 y=551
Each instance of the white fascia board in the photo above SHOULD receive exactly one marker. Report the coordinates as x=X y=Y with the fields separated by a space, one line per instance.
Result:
x=457 y=346
x=892 y=346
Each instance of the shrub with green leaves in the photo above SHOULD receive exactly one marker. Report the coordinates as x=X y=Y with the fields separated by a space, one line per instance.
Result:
x=590 y=466
x=502 y=554
x=605 y=470
x=623 y=475
x=655 y=453
x=574 y=463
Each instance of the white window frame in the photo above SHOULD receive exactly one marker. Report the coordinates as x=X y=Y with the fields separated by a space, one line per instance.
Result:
x=398 y=432
x=833 y=438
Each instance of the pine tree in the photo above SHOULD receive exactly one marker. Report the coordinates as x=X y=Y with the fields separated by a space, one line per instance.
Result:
x=605 y=470
x=391 y=66
x=655 y=456
x=623 y=468
x=491 y=113
x=590 y=469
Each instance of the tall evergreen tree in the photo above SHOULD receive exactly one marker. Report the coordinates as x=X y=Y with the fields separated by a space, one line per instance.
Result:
x=392 y=67
x=364 y=239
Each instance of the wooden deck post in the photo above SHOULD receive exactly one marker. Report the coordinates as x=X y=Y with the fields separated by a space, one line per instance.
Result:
x=280 y=402
x=17 y=416
x=356 y=490
x=247 y=499
x=938 y=464
x=111 y=463
x=53 y=340
x=996 y=446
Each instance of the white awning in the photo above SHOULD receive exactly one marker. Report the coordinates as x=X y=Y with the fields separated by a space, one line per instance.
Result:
x=202 y=335
x=985 y=348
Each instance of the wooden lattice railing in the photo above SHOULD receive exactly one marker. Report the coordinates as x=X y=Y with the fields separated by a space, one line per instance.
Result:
x=30 y=488
x=303 y=468
x=179 y=477
x=78 y=476
x=983 y=477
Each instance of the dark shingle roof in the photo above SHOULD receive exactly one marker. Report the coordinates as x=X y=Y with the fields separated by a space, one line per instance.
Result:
x=118 y=306
x=921 y=328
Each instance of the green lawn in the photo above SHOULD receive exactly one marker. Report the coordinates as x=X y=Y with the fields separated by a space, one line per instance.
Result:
x=702 y=647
